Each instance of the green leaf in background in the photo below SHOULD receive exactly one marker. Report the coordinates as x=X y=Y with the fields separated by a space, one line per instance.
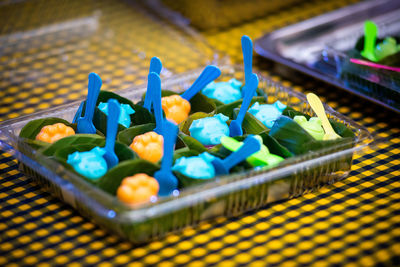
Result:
x=32 y=128
x=192 y=143
x=274 y=146
x=113 y=178
x=185 y=125
x=126 y=136
x=227 y=109
x=78 y=139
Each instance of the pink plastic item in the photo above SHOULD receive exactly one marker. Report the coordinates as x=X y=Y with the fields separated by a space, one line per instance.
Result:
x=373 y=65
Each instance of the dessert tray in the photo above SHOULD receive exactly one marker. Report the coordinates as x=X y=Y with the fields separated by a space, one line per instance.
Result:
x=225 y=195
x=320 y=47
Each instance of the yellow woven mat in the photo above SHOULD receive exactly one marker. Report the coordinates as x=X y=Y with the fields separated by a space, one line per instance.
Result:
x=355 y=222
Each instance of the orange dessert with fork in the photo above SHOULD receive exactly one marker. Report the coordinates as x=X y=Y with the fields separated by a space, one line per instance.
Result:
x=176 y=108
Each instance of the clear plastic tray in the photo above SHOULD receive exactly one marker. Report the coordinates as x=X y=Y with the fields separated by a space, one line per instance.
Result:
x=226 y=196
x=318 y=47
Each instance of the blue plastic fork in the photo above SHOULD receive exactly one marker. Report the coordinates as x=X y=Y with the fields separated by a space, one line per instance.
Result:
x=155 y=91
x=112 y=127
x=78 y=112
x=250 y=146
x=85 y=123
x=155 y=66
x=247 y=50
x=209 y=74
x=235 y=128
x=166 y=179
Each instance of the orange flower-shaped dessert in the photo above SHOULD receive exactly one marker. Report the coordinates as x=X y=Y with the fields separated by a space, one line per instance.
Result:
x=137 y=189
x=52 y=133
x=148 y=146
x=176 y=108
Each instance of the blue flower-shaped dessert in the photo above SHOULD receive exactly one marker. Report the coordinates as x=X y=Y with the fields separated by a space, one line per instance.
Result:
x=90 y=164
x=199 y=167
x=209 y=130
x=124 y=116
x=267 y=113
x=226 y=92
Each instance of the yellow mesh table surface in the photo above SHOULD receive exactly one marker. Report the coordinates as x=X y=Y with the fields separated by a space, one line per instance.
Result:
x=354 y=222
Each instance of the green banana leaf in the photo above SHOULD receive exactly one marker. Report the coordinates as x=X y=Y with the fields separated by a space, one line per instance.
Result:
x=274 y=146
x=290 y=134
x=192 y=143
x=227 y=109
x=297 y=140
x=201 y=103
x=339 y=127
x=73 y=140
x=31 y=129
x=113 y=178
x=251 y=125
x=34 y=144
x=342 y=129
x=216 y=102
x=198 y=103
x=291 y=113
x=185 y=152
